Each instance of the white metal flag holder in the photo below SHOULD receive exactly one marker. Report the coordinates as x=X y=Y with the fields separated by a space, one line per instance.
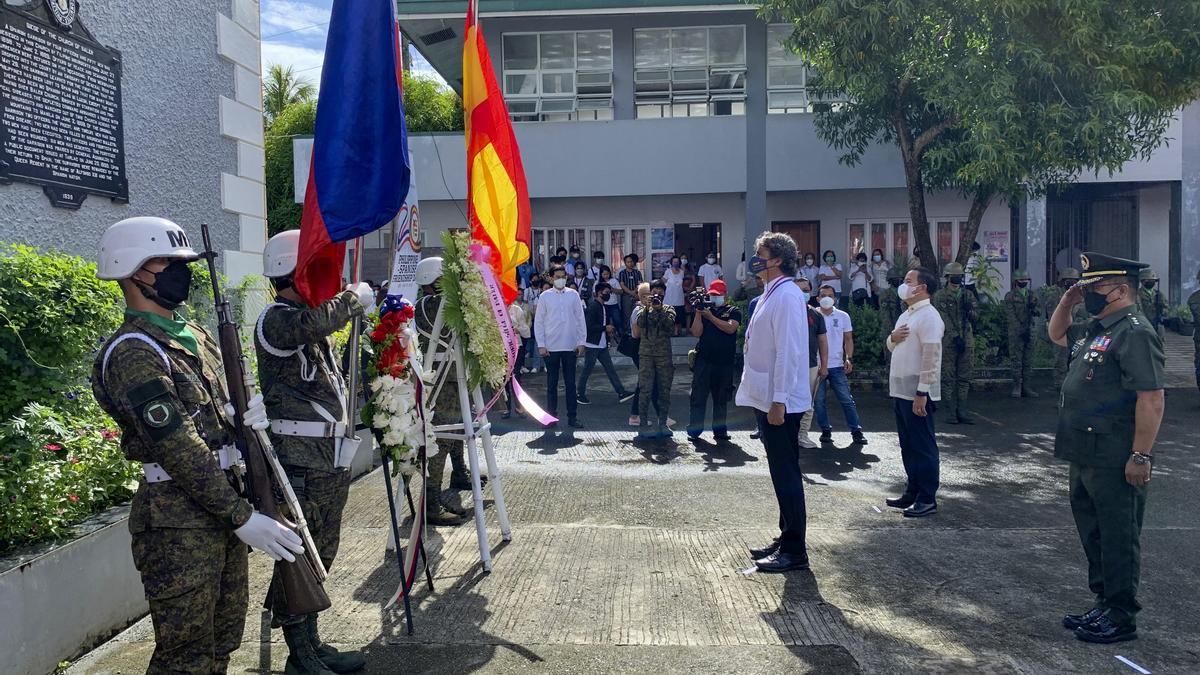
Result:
x=442 y=351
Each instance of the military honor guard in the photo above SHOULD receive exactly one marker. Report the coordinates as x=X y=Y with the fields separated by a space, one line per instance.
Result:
x=959 y=310
x=159 y=377
x=308 y=404
x=1020 y=309
x=1110 y=410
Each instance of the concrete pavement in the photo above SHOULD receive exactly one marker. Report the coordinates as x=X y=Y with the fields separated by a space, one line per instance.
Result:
x=628 y=558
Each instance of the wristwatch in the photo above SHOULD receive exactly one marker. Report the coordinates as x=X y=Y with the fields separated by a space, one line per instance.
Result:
x=1141 y=458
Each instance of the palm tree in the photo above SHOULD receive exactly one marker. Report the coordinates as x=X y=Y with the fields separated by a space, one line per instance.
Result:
x=281 y=88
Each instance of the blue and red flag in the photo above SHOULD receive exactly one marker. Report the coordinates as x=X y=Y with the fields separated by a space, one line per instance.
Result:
x=359 y=174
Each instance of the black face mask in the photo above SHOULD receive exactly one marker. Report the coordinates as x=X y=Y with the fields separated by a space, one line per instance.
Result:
x=1148 y=284
x=1022 y=284
x=1094 y=302
x=171 y=286
x=956 y=279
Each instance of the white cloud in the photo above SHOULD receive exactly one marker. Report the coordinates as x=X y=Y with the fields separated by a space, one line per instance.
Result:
x=291 y=15
x=307 y=61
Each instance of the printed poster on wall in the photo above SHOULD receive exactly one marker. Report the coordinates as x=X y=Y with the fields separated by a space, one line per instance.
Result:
x=662 y=248
x=995 y=245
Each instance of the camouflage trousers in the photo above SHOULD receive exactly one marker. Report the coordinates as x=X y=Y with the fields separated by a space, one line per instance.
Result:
x=322 y=496
x=1020 y=357
x=655 y=372
x=957 y=370
x=197 y=585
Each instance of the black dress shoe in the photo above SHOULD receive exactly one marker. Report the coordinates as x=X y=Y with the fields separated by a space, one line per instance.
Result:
x=826 y=437
x=722 y=437
x=919 y=510
x=857 y=437
x=760 y=553
x=901 y=502
x=1073 y=621
x=755 y=435
x=783 y=562
x=583 y=400
x=965 y=419
x=575 y=423
x=1104 y=631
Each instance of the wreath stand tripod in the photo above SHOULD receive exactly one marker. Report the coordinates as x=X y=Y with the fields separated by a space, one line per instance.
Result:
x=443 y=351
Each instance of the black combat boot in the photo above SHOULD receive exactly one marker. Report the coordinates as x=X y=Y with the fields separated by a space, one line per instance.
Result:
x=338 y=662
x=436 y=514
x=302 y=657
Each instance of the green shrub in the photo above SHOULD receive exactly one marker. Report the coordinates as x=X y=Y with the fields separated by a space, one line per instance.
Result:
x=54 y=314
x=59 y=465
x=991 y=335
x=868 y=337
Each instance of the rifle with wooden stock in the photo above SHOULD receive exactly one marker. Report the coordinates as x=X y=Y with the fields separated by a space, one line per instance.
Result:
x=265 y=480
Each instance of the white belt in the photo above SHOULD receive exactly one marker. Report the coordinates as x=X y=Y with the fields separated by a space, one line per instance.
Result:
x=308 y=429
x=227 y=456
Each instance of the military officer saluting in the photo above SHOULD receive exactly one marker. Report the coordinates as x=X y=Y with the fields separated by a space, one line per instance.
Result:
x=1109 y=414
x=160 y=379
x=1020 y=309
x=307 y=400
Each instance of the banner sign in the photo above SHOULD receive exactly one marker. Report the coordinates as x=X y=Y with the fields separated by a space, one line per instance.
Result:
x=407 y=245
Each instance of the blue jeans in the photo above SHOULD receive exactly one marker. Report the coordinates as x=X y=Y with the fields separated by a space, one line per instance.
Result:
x=589 y=361
x=841 y=388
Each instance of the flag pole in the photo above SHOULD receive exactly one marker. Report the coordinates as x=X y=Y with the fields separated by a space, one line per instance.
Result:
x=353 y=349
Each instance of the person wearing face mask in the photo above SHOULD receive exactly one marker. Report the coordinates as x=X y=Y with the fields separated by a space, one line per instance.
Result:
x=601 y=328
x=818 y=359
x=1020 y=310
x=861 y=280
x=839 y=333
x=881 y=270
x=304 y=387
x=830 y=274
x=583 y=284
x=159 y=378
x=629 y=278
x=775 y=385
x=654 y=325
x=1109 y=413
x=716 y=326
x=561 y=334
x=709 y=272
x=1050 y=296
x=914 y=384
x=674 y=277
x=890 y=308
x=811 y=270
x=597 y=264
x=1150 y=300
x=959 y=310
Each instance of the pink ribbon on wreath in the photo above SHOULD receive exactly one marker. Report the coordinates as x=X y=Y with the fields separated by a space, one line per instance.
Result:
x=479 y=254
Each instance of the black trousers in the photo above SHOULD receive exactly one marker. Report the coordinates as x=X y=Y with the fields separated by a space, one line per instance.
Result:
x=564 y=361
x=918 y=450
x=715 y=380
x=783 y=460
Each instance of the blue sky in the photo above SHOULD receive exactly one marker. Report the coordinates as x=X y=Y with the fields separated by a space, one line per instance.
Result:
x=293 y=34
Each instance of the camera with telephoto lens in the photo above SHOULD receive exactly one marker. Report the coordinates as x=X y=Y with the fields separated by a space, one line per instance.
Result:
x=699 y=300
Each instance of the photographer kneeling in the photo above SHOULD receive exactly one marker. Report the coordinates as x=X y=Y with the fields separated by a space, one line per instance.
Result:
x=716 y=324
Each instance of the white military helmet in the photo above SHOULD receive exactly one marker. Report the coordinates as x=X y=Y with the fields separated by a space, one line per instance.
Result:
x=127 y=245
x=279 y=255
x=428 y=271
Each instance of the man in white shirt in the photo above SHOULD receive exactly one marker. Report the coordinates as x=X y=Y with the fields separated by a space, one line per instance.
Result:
x=709 y=272
x=914 y=383
x=839 y=333
x=561 y=333
x=775 y=383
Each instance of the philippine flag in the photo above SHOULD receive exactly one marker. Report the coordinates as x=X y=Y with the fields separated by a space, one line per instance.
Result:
x=359 y=174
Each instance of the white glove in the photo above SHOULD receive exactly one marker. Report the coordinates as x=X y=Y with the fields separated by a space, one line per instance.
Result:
x=366 y=296
x=256 y=413
x=269 y=536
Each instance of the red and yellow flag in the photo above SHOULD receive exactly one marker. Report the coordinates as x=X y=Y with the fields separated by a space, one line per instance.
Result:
x=497 y=197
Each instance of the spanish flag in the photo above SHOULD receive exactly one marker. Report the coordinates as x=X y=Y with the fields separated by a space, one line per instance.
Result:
x=497 y=197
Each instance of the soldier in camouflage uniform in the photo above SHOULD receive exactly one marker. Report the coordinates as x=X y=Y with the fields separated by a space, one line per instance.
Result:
x=160 y=379
x=447 y=409
x=1150 y=300
x=1020 y=309
x=654 y=324
x=890 y=309
x=307 y=401
x=1050 y=296
x=959 y=312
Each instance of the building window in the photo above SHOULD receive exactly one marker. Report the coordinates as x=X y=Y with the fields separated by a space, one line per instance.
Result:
x=895 y=239
x=690 y=72
x=787 y=75
x=564 y=76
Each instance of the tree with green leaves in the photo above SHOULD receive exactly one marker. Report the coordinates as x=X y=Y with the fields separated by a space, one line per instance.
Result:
x=282 y=88
x=429 y=107
x=995 y=98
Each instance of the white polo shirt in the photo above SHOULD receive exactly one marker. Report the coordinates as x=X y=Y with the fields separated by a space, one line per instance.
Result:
x=837 y=324
x=910 y=370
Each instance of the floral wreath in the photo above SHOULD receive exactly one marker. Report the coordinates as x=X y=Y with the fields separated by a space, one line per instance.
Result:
x=394 y=408
x=468 y=314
